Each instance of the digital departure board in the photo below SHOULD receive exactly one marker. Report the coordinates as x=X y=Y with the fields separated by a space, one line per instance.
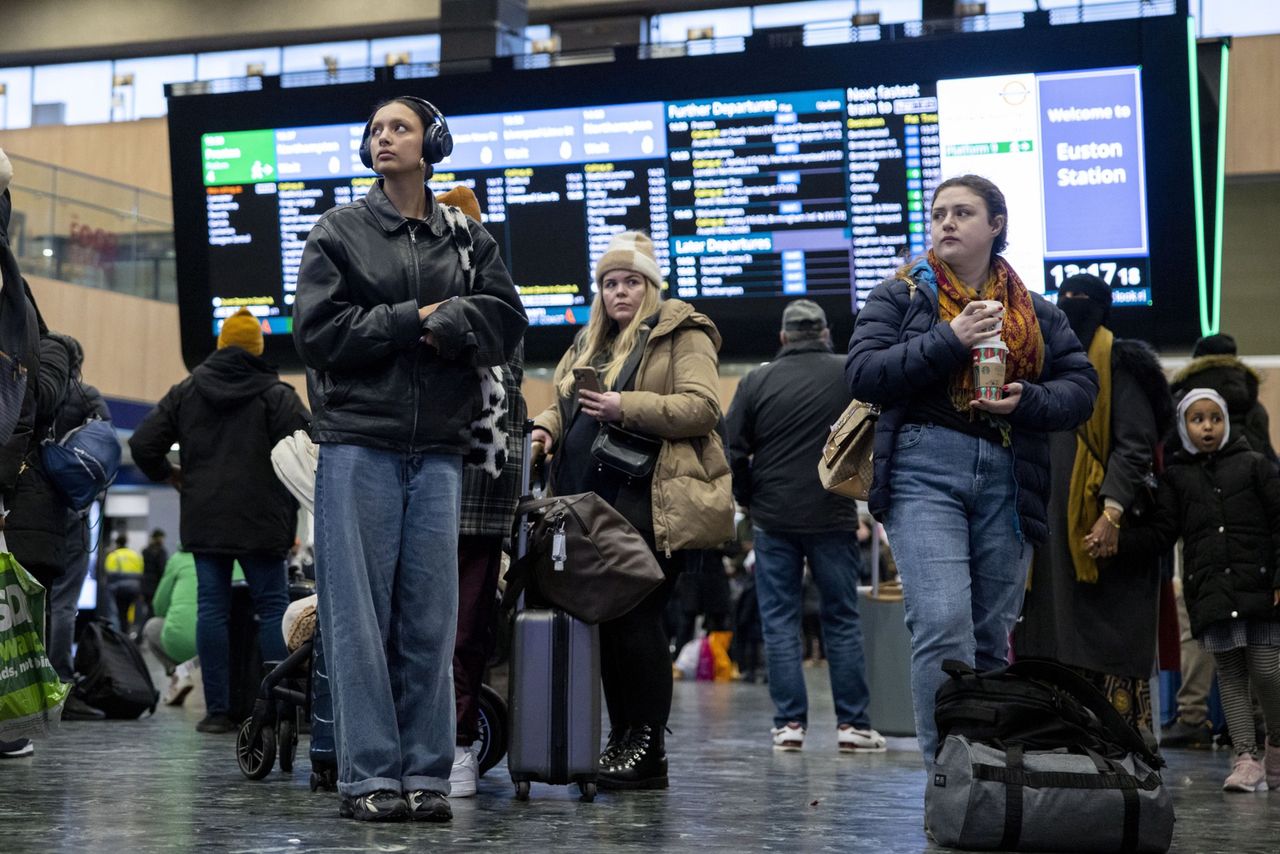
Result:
x=752 y=197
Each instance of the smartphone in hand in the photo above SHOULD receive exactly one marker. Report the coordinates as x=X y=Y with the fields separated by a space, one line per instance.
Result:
x=587 y=379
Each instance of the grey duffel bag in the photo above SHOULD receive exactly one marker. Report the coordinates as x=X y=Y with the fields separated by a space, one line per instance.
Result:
x=983 y=798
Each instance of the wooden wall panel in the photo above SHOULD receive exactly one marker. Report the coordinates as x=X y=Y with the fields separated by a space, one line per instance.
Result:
x=1249 y=293
x=131 y=344
x=133 y=153
x=1253 y=122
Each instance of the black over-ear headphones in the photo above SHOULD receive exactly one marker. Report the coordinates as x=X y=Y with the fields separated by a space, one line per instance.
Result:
x=437 y=142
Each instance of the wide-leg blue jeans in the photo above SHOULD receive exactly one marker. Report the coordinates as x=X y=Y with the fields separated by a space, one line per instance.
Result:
x=387 y=572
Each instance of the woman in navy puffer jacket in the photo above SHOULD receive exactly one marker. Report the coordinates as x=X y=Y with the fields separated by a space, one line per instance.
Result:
x=961 y=482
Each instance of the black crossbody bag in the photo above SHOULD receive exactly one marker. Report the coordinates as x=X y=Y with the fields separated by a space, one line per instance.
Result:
x=626 y=451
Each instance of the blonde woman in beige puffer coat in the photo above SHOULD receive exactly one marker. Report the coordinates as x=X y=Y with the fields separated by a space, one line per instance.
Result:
x=656 y=370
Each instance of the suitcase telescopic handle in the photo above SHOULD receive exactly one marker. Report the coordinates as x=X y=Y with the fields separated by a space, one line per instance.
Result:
x=526 y=490
x=526 y=486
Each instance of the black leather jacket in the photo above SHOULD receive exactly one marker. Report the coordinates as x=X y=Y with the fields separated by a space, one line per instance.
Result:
x=364 y=273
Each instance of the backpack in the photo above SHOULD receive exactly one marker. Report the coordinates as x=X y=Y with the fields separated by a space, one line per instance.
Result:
x=1026 y=751
x=113 y=675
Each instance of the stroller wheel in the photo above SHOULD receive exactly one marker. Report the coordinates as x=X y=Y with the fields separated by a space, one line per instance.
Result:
x=493 y=728
x=256 y=759
x=588 y=791
x=522 y=790
x=288 y=740
x=324 y=778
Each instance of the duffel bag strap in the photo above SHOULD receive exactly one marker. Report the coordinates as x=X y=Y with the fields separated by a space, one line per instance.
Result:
x=956 y=669
x=1128 y=787
x=1089 y=697
x=1012 y=799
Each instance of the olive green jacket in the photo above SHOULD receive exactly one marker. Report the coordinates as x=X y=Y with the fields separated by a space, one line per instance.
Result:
x=675 y=398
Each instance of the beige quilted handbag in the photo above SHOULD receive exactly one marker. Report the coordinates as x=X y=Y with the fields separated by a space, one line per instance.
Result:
x=846 y=466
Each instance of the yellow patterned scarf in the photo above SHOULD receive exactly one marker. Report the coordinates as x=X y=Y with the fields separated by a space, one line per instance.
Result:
x=1093 y=446
x=1021 y=330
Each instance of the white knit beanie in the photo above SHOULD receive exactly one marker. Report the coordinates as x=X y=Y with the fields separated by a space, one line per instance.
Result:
x=6 y=171
x=630 y=250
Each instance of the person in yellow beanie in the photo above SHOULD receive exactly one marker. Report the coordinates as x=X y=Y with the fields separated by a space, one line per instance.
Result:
x=242 y=330
x=226 y=417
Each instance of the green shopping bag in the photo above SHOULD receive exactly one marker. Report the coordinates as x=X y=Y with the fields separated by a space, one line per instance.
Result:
x=31 y=694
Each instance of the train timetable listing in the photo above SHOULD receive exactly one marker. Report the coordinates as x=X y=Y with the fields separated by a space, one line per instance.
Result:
x=542 y=215
x=756 y=194
x=894 y=164
x=244 y=243
x=264 y=227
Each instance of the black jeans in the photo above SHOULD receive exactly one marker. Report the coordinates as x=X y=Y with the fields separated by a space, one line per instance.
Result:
x=635 y=664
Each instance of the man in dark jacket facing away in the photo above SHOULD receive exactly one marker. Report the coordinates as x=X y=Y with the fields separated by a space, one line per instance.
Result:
x=778 y=423
x=226 y=417
x=154 y=558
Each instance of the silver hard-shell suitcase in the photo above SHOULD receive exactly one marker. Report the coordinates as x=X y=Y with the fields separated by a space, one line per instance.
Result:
x=554 y=691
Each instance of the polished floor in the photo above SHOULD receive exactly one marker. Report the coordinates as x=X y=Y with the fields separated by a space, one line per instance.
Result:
x=155 y=785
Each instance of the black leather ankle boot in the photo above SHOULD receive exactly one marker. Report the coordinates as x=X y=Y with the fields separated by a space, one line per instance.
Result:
x=618 y=742
x=641 y=765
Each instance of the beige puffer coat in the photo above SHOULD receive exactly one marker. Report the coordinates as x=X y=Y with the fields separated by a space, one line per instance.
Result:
x=676 y=398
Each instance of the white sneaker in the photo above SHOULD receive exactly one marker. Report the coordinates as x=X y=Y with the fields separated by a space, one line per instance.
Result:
x=852 y=740
x=465 y=773
x=788 y=738
x=18 y=749
x=180 y=684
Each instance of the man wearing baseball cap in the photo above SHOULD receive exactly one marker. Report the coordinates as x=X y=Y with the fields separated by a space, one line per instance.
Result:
x=777 y=425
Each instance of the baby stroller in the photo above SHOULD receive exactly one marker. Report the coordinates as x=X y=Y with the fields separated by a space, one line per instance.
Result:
x=278 y=710
x=297 y=690
x=294 y=693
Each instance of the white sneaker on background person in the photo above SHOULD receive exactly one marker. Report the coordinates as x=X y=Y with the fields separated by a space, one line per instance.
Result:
x=465 y=774
x=180 y=683
x=19 y=749
x=789 y=738
x=850 y=739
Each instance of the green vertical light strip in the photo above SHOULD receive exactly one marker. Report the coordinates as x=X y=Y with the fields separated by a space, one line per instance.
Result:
x=1215 y=319
x=1197 y=180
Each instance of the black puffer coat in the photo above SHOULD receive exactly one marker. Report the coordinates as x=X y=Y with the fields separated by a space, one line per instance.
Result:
x=20 y=338
x=226 y=417
x=1226 y=508
x=36 y=529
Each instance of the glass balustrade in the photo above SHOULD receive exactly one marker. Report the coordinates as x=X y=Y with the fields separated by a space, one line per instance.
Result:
x=90 y=231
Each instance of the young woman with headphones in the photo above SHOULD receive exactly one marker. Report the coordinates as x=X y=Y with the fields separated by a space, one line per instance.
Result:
x=392 y=333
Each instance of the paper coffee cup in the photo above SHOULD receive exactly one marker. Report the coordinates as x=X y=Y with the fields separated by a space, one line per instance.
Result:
x=995 y=304
x=989 y=358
